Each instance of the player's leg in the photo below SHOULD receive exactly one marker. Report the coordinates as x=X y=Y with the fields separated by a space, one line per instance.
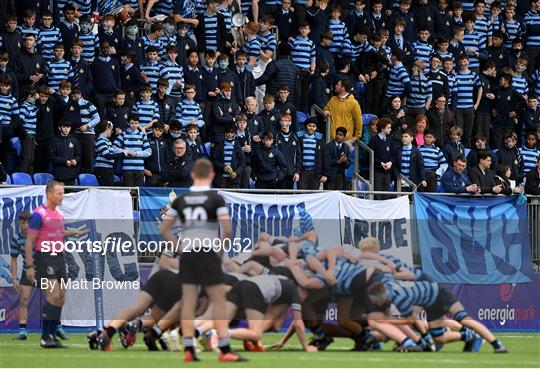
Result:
x=379 y=321
x=24 y=297
x=51 y=313
x=187 y=316
x=460 y=315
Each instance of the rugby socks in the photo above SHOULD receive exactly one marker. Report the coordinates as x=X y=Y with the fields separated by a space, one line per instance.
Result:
x=318 y=332
x=188 y=345
x=466 y=334
x=50 y=319
x=224 y=344
x=110 y=331
x=156 y=332
x=22 y=325
x=496 y=344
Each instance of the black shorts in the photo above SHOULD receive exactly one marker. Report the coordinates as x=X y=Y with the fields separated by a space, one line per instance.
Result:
x=283 y=271
x=441 y=306
x=246 y=294
x=165 y=289
x=263 y=260
x=24 y=280
x=200 y=268
x=50 y=266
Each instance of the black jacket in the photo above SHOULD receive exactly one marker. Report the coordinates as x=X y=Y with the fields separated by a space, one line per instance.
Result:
x=62 y=149
x=83 y=79
x=510 y=157
x=223 y=113
x=161 y=155
x=484 y=180
x=452 y=150
x=383 y=152
x=45 y=121
x=532 y=184
x=27 y=65
x=280 y=72
x=331 y=154
x=504 y=183
x=246 y=84
x=15 y=86
x=417 y=172
x=178 y=172
x=269 y=164
x=217 y=156
x=292 y=152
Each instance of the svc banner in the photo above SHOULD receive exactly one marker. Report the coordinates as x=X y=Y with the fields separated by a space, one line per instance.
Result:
x=469 y=240
x=101 y=262
x=387 y=220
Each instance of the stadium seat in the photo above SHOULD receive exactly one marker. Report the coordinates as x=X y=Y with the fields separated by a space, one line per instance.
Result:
x=117 y=180
x=349 y=173
x=207 y=149
x=86 y=179
x=42 y=178
x=8 y=180
x=19 y=178
x=466 y=152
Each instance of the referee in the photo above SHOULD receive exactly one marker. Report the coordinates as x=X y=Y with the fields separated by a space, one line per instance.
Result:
x=46 y=224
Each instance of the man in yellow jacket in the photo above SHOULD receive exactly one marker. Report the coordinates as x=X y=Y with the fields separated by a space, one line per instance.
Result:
x=344 y=111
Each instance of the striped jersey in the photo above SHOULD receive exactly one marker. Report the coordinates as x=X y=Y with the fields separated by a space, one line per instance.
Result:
x=24 y=31
x=162 y=7
x=303 y=52
x=147 y=42
x=228 y=148
x=267 y=41
x=152 y=71
x=528 y=158
x=344 y=272
x=89 y=115
x=353 y=49
x=472 y=41
x=309 y=148
x=451 y=82
x=422 y=51
x=147 y=111
x=398 y=79
x=520 y=84
x=27 y=115
x=536 y=79
x=421 y=92
x=211 y=29
x=103 y=149
x=406 y=152
x=433 y=157
x=9 y=109
x=512 y=29
x=252 y=47
x=227 y=15
x=90 y=43
x=405 y=295
x=532 y=22
x=339 y=35
x=133 y=141
x=57 y=71
x=16 y=248
x=464 y=89
x=484 y=30
x=85 y=6
x=186 y=111
x=172 y=72
x=48 y=37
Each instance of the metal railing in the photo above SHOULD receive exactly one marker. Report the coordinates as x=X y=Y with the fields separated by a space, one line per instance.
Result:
x=356 y=174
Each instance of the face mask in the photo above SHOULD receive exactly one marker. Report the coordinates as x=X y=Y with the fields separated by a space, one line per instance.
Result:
x=175 y=135
x=132 y=30
x=223 y=64
x=86 y=27
x=169 y=28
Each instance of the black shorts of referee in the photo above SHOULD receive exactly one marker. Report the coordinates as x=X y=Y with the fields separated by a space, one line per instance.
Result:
x=50 y=266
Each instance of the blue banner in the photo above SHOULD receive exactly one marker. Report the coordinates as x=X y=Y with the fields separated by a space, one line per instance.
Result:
x=471 y=240
x=153 y=203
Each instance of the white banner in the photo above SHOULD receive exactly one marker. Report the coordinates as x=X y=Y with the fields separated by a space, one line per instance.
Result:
x=387 y=220
x=99 y=282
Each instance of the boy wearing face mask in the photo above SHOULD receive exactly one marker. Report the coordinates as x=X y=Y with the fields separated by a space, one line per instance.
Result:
x=131 y=41
x=168 y=37
x=225 y=74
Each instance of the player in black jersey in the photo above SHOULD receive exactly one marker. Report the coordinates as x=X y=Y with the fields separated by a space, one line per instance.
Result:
x=204 y=218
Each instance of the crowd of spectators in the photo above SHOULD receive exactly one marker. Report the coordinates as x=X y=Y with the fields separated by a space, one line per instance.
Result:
x=444 y=93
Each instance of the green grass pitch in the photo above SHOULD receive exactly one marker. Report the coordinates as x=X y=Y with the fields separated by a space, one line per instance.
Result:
x=524 y=352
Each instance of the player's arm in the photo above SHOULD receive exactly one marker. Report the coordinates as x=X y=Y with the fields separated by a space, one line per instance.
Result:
x=301 y=279
x=29 y=255
x=225 y=227
x=300 y=329
x=404 y=275
x=166 y=229
x=14 y=272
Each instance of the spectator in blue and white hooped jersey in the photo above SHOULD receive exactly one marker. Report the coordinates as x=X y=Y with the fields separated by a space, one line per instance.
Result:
x=89 y=40
x=146 y=109
x=267 y=39
x=133 y=141
x=304 y=57
x=420 y=95
x=49 y=35
x=58 y=69
x=529 y=154
x=399 y=83
x=9 y=116
x=28 y=117
x=252 y=45
x=472 y=43
x=188 y=111
x=85 y=132
x=168 y=37
x=482 y=26
x=152 y=69
x=434 y=160
x=338 y=29
x=173 y=73
x=105 y=153
x=421 y=48
x=28 y=27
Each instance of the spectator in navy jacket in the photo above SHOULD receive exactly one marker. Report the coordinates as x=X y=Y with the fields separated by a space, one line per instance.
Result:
x=228 y=160
x=409 y=160
x=381 y=144
x=336 y=161
x=156 y=164
x=65 y=155
x=454 y=180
